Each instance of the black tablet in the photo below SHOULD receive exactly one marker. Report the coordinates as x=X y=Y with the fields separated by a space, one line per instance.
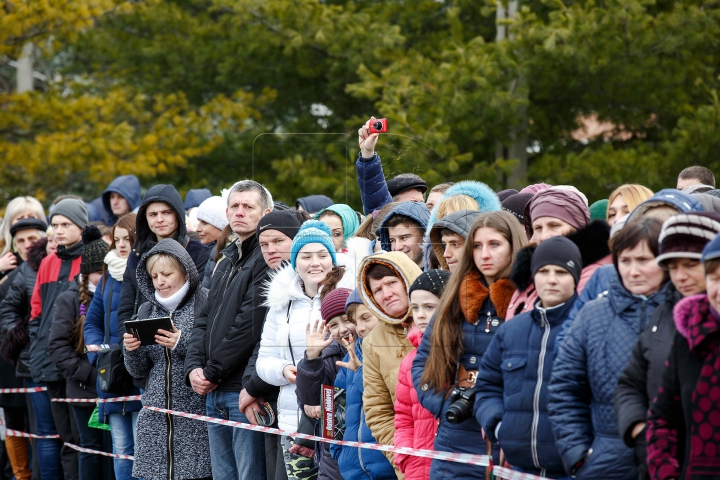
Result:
x=146 y=329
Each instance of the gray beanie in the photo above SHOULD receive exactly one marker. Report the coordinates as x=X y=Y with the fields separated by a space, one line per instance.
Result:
x=73 y=209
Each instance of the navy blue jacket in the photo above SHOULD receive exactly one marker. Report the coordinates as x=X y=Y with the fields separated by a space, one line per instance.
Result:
x=126 y=185
x=195 y=196
x=104 y=310
x=512 y=388
x=464 y=437
x=581 y=405
x=371 y=180
x=358 y=463
x=415 y=210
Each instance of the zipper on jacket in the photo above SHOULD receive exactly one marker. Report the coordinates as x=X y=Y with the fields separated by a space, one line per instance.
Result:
x=168 y=406
x=489 y=319
x=538 y=386
x=212 y=329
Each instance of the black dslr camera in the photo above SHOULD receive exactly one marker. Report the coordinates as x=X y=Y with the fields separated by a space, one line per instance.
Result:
x=461 y=408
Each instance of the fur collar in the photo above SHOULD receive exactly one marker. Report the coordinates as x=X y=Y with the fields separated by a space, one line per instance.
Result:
x=36 y=253
x=591 y=240
x=695 y=319
x=282 y=287
x=473 y=294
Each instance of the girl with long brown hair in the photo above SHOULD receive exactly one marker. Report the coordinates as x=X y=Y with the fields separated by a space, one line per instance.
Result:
x=472 y=308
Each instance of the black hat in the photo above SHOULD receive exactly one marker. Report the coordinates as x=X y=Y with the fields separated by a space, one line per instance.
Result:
x=558 y=251
x=503 y=194
x=281 y=220
x=94 y=252
x=401 y=183
x=516 y=204
x=27 y=224
x=433 y=281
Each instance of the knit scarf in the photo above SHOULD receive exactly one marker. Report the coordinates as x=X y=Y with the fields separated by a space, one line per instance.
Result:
x=171 y=303
x=116 y=265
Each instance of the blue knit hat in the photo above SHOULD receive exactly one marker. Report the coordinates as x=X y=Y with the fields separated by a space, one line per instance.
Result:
x=312 y=231
x=354 y=298
x=711 y=250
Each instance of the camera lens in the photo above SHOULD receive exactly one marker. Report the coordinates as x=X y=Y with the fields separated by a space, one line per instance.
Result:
x=378 y=125
x=459 y=411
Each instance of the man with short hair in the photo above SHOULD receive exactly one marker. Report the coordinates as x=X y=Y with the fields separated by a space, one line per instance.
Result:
x=435 y=193
x=695 y=175
x=403 y=230
x=448 y=237
x=407 y=187
x=121 y=197
x=226 y=332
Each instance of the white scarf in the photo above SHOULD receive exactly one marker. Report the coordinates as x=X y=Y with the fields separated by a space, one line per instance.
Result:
x=91 y=286
x=116 y=265
x=170 y=303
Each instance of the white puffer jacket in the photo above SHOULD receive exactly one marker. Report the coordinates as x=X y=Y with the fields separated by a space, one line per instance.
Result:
x=285 y=328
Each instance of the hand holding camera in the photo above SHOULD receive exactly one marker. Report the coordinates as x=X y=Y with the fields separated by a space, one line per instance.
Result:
x=368 y=135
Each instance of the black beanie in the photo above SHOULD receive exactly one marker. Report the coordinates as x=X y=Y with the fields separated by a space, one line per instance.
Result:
x=283 y=221
x=516 y=204
x=561 y=252
x=94 y=251
x=433 y=281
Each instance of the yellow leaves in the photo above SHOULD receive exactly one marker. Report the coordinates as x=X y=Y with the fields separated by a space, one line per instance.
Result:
x=46 y=138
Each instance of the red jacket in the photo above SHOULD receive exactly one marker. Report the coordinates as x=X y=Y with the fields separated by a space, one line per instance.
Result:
x=414 y=426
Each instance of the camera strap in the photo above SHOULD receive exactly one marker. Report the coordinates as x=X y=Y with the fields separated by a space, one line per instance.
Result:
x=465 y=378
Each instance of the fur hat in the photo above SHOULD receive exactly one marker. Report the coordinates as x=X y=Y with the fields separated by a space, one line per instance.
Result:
x=313 y=231
x=685 y=235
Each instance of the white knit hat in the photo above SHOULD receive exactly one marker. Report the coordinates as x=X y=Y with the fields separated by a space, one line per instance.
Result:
x=212 y=211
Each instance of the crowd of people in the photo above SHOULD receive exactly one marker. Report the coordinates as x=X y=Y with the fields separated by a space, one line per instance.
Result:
x=563 y=339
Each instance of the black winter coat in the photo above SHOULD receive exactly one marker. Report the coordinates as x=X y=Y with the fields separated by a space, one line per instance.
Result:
x=639 y=383
x=7 y=371
x=79 y=374
x=229 y=327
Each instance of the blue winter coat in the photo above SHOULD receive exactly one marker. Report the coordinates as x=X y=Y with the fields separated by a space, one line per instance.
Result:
x=415 y=210
x=465 y=437
x=371 y=180
x=593 y=355
x=512 y=388
x=126 y=185
x=358 y=463
x=103 y=309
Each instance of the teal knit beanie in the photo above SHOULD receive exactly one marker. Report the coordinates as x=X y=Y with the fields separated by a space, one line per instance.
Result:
x=598 y=210
x=312 y=231
x=349 y=217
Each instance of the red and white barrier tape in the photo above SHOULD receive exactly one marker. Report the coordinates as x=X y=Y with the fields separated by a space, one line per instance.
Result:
x=23 y=390
x=508 y=474
x=479 y=460
x=130 y=398
x=16 y=433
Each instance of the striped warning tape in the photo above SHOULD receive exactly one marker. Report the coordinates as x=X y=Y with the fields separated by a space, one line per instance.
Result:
x=23 y=390
x=17 y=433
x=479 y=460
x=508 y=474
x=130 y=398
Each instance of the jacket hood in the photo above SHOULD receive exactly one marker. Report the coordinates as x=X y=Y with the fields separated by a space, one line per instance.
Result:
x=144 y=238
x=415 y=210
x=36 y=253
x=591 y=240
x=314 y=203
x=695 y=319
x=169 y=247
x=126 y=185
x=459 y=222
x=709 y=203
x=621 y=299
x=485 y=197
x=684 y=202
x=406 y=269
x=195 y=197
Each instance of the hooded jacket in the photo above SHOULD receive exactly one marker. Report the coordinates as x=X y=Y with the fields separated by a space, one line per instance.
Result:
x=79 y=373
x=371 y=180
x=681 y=433
x=483 y=311
x=458 y=222
x=168 y=446
x=414 y=210
x=415 y=427
x=358 y=463
x=485 y=197
x=684 y=202
x=283 y=337
x=593 y=355
x=639 y=383
x=103 y=311
x=512 y=388
x=130 y=297
x=383 y=350
x=592 y=240
x=228 y=329
x=54 y=277
x=126 y=185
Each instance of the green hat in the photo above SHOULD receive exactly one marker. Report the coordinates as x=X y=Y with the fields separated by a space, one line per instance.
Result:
x=348 y=216
x=598 y=210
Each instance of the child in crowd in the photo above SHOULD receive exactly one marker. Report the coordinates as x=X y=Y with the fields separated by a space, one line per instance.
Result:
x=414 y=426
x=356 y=463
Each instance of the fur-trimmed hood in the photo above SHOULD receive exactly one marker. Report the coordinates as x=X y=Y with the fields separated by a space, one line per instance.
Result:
x=485 y=197
x=592 y=240
x=284 y=285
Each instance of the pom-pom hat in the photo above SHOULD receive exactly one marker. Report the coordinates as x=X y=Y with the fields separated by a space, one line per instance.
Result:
x=94 y=252
x=313 y=231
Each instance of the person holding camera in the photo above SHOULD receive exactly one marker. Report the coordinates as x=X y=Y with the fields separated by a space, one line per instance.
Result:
x=472 y=308
x=514 y=375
